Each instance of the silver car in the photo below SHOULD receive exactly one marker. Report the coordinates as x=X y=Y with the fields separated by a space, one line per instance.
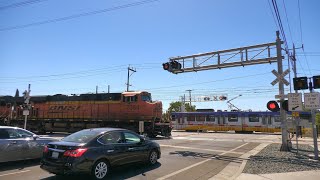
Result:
x=19 y=144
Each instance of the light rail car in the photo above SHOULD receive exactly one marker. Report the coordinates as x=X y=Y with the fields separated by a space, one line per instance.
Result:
x=245 y=122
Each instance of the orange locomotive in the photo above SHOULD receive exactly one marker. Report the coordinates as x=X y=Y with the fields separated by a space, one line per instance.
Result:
x=72 y=113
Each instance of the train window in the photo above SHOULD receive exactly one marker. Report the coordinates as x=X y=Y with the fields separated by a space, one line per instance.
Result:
x=253 y=118
x=233 y=118
x=211 y=118
x=277 y=119
x=146 y=98
x=130 y=98
x=201 y=118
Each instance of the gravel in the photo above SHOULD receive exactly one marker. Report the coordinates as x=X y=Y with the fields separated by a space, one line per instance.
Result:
x=272 y=160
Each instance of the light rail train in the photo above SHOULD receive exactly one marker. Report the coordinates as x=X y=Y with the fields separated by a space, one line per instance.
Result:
x=246 y=122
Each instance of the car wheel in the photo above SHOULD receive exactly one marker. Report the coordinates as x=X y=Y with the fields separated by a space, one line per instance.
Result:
x=100 y=169
x=153 y=157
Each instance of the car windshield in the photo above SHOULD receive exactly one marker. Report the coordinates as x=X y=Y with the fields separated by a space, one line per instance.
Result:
x=83 y=136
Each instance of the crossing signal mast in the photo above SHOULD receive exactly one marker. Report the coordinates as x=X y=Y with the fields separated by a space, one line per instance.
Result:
x=250 y=55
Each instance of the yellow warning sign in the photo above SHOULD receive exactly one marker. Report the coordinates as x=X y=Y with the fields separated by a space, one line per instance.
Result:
x=295 y=114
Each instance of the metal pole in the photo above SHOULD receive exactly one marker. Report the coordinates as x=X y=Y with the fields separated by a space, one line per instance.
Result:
x=25 y=121
x=314 y=130
x=190 y=96
x=284 y=146
x=128 y=78
x=314 y=127
x=296 y=91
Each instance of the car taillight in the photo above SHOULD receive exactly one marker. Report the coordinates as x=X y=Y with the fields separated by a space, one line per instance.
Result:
x=75 y=153
x=45 y=149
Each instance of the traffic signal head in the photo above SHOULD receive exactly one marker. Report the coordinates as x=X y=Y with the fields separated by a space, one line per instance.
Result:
x=175 y=65
x=316 y=82
x=273 y=106
x=300 y=83
x=166 y=66
x=285 y=105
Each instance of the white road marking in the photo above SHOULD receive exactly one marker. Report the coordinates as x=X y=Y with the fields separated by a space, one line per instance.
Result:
x=234 y=149
x=14 y=173
x=181 y=170
x=184 y=147
x=201 y=162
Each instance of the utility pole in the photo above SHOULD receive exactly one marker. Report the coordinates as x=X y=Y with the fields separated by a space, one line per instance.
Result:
x=296 y=91
x=128 y=79
x=284 y=132
x=189 y=96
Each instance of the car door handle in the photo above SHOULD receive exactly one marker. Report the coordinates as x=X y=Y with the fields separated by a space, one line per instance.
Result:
x=130 y=149
x=110 y=150
x=13 y=142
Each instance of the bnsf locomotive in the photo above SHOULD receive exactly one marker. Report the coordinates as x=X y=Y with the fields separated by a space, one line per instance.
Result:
x=62 y=113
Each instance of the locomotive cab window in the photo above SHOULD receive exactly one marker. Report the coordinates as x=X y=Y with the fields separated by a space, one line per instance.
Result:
x=253 y=118
x=130 y=98
x=146 y=97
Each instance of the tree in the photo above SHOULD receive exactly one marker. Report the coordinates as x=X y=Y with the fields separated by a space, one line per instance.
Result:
x=176 y=107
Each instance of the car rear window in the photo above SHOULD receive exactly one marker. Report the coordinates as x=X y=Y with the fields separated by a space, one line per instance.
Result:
x=83 y=136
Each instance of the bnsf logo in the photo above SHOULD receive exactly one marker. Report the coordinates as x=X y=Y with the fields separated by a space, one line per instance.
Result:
x=63 y=108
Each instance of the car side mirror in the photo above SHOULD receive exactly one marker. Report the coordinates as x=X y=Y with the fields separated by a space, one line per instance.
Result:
x=35 y=137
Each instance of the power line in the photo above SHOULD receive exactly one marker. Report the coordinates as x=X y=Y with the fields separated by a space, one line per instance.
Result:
x=285 y=10
x=21 y=4
x=253 y=75
x=300 y=22
x=78 y=15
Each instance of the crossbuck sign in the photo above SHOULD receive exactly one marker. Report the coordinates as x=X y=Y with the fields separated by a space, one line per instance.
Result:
x=280 y=77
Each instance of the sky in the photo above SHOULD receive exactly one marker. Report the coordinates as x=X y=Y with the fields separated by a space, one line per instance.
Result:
x=71 y=47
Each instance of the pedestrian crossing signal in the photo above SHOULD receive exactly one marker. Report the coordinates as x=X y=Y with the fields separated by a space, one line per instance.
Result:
x=273 y=106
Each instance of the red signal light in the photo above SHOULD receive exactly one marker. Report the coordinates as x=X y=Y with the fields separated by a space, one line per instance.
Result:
x=273 y=106
x=166 y=66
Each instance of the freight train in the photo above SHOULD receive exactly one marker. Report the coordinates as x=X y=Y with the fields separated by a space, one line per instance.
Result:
x=62 y=113
x=244 y=122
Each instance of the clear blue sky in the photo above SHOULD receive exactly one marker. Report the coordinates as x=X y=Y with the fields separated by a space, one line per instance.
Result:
x=75 y=56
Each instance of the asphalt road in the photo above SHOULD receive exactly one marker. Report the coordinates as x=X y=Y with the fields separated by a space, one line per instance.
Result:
x=185 y=156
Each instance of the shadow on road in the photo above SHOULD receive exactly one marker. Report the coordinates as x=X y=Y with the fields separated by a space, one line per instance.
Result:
x=19 y=164
x=120 y=172
x=207 y=156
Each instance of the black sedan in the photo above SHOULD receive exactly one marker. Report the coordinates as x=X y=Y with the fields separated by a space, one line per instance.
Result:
x=19 y=144
x=94 y=151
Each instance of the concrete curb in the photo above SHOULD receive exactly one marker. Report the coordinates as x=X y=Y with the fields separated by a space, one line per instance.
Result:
x=233 y=169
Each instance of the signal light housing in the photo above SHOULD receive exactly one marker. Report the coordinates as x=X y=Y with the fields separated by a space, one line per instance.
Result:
x=166 y=66
x=300 y=83
x=316 y=82
x=285 y=105
x=273 y=106
x=175 y=65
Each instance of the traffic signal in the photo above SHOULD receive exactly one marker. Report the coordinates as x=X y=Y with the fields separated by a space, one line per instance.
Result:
x=166 y=66
x=273 y=106
x=175 y=65
x=300 y=83
x=285 y=105
x=316 y=82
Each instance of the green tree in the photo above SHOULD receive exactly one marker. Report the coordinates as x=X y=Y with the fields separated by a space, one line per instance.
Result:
x=175 y=107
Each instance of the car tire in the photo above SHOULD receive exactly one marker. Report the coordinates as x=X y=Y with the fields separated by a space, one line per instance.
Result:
x=153 y=157
x=100 y=169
